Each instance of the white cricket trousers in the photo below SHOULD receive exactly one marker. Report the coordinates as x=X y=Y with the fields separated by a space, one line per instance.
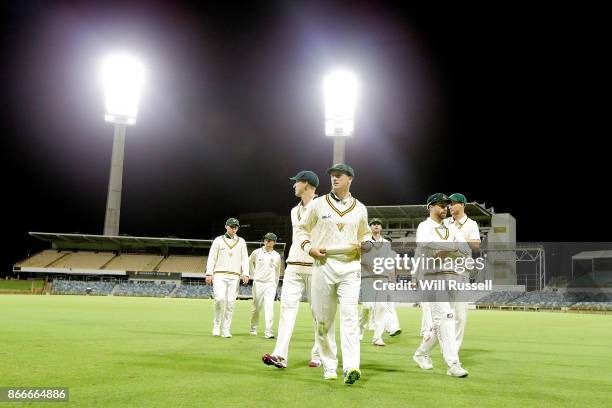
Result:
x=263 y=300
x=391 y=321
x=426 y=320
x=297 y=278
x=460 y=309
x=328 y=289
x=372 y=317
x=443 y=328
x=225 y=290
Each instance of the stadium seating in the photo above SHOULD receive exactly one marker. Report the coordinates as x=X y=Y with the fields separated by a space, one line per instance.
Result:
x=143 y=289
x=83 y=260
x=42 y=259
x=182 y=263
x=597 y=301
x=134 y=262
x=194 y=291
x=66 y=287
x=499 y=298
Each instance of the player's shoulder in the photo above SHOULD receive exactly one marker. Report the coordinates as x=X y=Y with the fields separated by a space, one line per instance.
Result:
x=472 y=222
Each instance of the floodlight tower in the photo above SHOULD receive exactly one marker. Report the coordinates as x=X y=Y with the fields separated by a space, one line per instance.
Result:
x=340 y=94
x=123 y=77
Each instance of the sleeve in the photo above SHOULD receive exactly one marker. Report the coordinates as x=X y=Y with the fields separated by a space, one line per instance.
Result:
x=245 y=259
x=278 y=268
x=363 y=230
x=212 y=257
x=252 y=262
x=305 y=226
x=425 y=239
x=474 y=231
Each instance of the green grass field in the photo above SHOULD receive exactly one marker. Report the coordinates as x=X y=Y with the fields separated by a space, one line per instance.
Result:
x=152 y=352
x=20 y=285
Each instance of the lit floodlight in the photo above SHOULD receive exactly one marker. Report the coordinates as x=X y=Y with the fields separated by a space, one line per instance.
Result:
x=123 y=77
x=340 y=91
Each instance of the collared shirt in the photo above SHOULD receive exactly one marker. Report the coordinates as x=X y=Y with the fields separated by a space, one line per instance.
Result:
x=465 y=226
x=433 y=237
x=331 y=222
x=296 y=256
x=264 y=265
x=228 y=255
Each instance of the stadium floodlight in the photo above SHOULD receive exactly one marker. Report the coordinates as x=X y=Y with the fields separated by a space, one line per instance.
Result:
x=123 y=77
x=340 y=93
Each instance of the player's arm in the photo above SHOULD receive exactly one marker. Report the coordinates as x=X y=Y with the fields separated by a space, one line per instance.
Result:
x=473 y=237
x=212 y=261
x=245 y=262
x=252 y=263
x=364 y=233
x=303 y=231
x=278 y=269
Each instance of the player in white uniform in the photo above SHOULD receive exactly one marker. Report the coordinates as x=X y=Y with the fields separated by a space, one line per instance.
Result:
x=297 y=277
x=331 y=232
x=265 y=266
x=373 y=315
x=460 y=223
x=228 y=260
x=436 y=241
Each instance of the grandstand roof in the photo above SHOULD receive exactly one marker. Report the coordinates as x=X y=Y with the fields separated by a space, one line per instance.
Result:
x=592 y=255
x=474 y=210
x=103 y=242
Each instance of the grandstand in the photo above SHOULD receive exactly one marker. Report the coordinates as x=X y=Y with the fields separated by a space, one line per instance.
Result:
x=131 y=266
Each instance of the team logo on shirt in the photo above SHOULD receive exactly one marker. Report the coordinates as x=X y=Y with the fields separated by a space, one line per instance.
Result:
x=340 y=226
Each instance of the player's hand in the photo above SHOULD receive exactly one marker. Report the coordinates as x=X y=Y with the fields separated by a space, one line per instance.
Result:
x=245 y=280
x=317 y=252
x=209 y=279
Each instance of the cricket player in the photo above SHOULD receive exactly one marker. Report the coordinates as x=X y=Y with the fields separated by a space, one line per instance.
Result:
x=228 y=261
x=373 y=314
x=436 y=241
x=331 y=232
x=297 y=278
x=264 y=267
x=460 y=223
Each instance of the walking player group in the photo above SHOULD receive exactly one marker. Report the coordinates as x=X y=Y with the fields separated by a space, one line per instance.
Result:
x=324 y=261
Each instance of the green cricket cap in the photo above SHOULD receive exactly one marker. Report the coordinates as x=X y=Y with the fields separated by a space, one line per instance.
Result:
x=271 y=236
x=438 y=198
x=344 y=168
x=458 y=197
x=232 y=221
x=308 y=176
x=375 y=221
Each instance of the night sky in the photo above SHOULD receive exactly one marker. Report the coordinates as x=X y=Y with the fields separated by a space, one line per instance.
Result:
x=501 y=103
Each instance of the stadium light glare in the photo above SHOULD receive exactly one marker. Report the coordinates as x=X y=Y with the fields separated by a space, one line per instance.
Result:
x=340 y=90
x=123 y=77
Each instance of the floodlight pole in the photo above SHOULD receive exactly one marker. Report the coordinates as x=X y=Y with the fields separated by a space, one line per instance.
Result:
x=115 y=182
x=339 y=149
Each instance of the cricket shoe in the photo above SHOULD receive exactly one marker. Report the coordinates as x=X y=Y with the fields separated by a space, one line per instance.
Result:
x=314 y=363
x=456 y=370
x=396 y=333
x=329 y=374
x=216 y=332
x=253 y=332
x=269 y=336
x=276 y=361
x=423 y=361
x=379 y=343
x=227 y=335
x=351 y=375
